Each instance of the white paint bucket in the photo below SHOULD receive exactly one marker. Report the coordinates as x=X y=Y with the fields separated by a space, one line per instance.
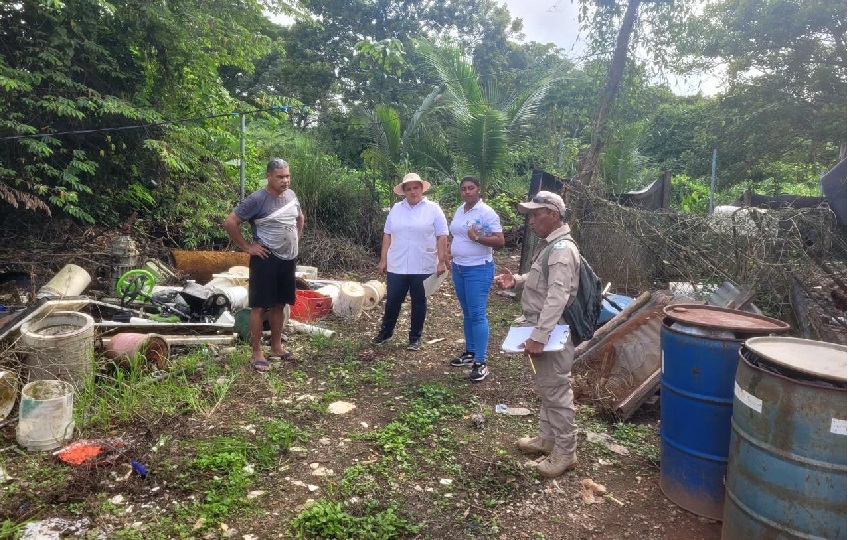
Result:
x=8 y=392
x=60 y=346
x=71 y=280
x=349 y=302
x=46 y=415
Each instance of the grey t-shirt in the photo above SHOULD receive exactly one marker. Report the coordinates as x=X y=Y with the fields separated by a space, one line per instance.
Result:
x=280 y=236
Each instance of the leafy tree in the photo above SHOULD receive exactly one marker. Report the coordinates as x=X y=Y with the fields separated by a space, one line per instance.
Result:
x=88 y=85
x=787 y=75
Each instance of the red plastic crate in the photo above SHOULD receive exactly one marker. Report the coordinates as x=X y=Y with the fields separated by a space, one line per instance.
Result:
x=310 y=305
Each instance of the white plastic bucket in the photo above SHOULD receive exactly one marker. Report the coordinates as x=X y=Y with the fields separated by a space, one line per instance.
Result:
x=349 y=302
x=371 y=295
x=46 y=415
x=8 y=392
x=71 y=280
x=60 y=346
x=379 y=287
x=331 y=291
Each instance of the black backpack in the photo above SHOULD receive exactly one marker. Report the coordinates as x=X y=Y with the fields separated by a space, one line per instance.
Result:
x=583 y=312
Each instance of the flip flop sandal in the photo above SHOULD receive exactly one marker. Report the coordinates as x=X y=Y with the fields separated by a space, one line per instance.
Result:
x=260 y=365
x=288 y=355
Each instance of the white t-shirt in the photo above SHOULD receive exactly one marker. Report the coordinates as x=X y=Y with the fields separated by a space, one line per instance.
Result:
x=465 y=252
x=414 y=231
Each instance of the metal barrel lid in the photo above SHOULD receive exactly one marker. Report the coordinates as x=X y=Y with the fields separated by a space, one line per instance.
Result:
x=827 y=361
x=724 y=319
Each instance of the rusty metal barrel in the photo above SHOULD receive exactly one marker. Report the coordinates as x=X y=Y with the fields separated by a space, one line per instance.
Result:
x=787 y=475
x=699 y=355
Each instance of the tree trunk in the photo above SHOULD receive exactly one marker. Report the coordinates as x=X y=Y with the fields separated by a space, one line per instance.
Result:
x=615 y=75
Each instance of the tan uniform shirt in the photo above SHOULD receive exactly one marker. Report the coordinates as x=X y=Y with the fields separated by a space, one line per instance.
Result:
x=543 y=302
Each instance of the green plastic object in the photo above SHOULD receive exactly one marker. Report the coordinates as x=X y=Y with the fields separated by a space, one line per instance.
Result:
x=135 y=282
x=242 y=324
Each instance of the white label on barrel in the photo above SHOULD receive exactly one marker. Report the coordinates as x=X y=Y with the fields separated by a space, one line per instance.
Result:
x=839 y=427
x=747 y=398
x=662 y=360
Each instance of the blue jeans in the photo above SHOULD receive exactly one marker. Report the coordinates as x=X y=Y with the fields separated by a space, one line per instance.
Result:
x=472 y=285
x=398 y=285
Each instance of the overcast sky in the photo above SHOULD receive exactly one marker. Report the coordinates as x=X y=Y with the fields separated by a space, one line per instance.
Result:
x=549 y=21
x=556 y=21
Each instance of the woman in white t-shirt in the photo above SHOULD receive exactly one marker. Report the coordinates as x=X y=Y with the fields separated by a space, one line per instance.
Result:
x=476 y=231
x=414 y=246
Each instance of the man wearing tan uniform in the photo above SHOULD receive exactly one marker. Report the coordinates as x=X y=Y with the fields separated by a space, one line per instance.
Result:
x=543 y=302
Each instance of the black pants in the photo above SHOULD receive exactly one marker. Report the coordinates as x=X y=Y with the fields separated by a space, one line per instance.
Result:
x=398 y=285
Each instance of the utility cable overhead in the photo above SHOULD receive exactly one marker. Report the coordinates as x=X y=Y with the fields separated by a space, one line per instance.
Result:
x=285 y=108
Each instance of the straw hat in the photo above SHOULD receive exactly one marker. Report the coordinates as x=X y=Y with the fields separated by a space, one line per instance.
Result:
x=411 y=177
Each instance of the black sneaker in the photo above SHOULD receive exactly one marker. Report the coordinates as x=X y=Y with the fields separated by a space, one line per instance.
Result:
x=381 y=338
x=479 y=372
x=465 y=359
x=414 y=345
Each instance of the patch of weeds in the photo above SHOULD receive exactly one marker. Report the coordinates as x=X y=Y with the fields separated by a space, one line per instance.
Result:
x=10 y=529
x=331 y=521
x=298 y=375
x=359 y=480
x=221 y=469
x=377 y=374
x=642 y=440
x=127 y=393
x=394 y=439
x=276 y=384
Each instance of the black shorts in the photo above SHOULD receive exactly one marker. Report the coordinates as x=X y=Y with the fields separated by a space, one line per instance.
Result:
x=271 y=282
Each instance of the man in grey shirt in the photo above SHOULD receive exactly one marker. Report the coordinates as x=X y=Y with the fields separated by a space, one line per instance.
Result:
x=276 y=225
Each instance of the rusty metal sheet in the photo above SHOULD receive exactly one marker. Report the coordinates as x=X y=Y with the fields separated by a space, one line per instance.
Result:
x=725 y=319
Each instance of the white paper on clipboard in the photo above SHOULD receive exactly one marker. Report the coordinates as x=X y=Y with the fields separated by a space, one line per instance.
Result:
x=518 y=334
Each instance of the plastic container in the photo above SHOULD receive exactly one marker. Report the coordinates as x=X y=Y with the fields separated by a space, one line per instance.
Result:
x=237 y=296
x=126 y=346
x=60 y=346
x=310 y=305
x=242 y=322
x=8 y=392
x=46 y=415
x=349 y=302
x=371 y=296
x=71 y=280
x=307 y=272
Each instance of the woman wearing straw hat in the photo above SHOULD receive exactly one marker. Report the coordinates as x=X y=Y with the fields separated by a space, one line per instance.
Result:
x=476 y=231
x=414 y=246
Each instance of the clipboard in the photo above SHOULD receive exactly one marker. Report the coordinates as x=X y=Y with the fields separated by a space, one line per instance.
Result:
x=432 y=282
x=518 y=334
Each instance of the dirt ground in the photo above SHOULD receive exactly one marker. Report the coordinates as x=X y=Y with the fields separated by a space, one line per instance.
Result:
x=480 y=488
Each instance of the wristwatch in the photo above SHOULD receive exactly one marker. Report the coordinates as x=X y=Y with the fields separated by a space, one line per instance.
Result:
x=476 y=239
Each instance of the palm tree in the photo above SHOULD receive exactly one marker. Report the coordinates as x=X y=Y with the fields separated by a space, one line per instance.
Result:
x=484 y=124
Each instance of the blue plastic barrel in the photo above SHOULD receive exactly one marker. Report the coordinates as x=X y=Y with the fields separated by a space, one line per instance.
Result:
x=787 y=475
x=699 y=356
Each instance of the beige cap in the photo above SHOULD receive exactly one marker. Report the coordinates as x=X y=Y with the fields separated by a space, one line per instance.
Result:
x=543 y=199
x=411 y=177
